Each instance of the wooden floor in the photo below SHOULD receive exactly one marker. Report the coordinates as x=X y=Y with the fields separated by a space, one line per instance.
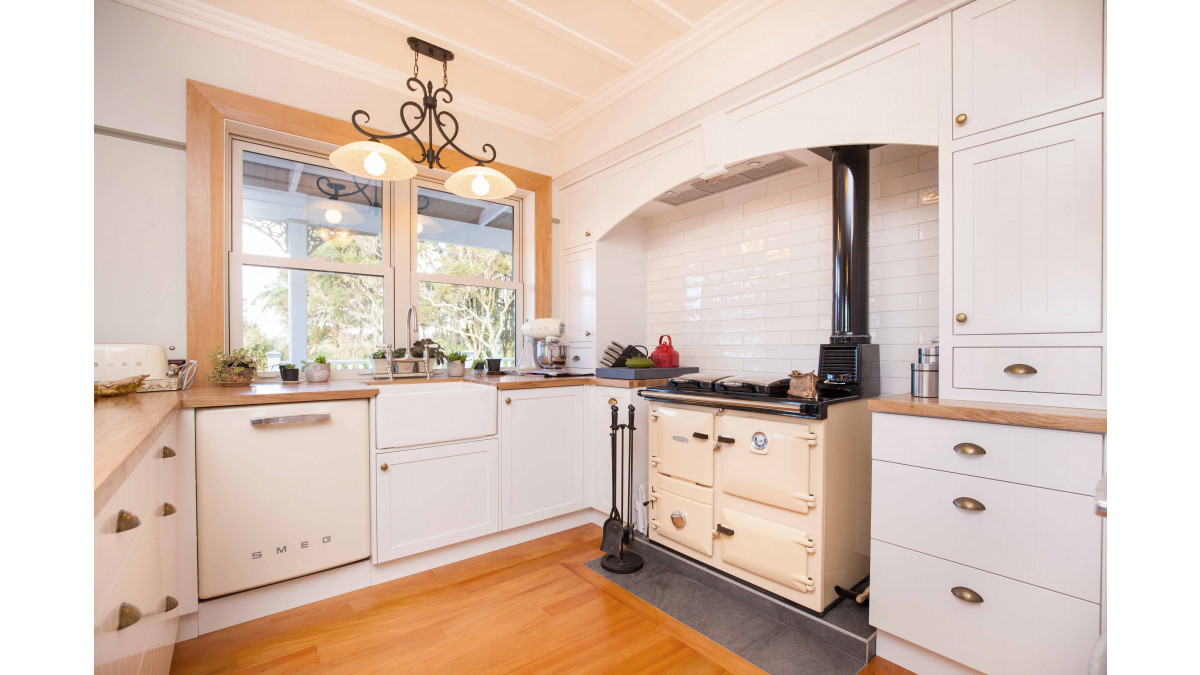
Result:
x=531 y=608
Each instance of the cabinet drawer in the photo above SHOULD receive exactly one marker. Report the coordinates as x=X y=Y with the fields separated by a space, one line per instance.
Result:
x=1018 y=628
x=1059 y=370
x=119 y=650
x=1042 y=537
x=581 y=355
x=1049 y=458
x=137 y=495
x=693 y=525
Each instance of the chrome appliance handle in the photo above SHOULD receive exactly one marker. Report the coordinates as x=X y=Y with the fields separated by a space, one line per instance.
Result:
x=290 y=419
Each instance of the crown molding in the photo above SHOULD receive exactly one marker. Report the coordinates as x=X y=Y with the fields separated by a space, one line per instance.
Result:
x=661 y=60
x=235 y=27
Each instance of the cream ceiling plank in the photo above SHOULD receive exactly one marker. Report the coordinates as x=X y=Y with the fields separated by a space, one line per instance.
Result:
x=370 y=11
x=665 y=14
x=563 y=32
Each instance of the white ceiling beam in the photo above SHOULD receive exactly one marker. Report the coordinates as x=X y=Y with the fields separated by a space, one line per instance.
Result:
x=563 y=32
x=666 y=14
x=372 y=12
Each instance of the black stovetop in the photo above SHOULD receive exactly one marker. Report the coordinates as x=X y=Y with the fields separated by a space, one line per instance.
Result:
x=789 y=406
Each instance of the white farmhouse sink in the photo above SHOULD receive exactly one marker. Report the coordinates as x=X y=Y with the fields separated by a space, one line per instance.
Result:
x=437 y=412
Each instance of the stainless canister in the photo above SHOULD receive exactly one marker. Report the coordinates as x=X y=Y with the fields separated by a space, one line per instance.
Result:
x=925 y=380
x=928 y=354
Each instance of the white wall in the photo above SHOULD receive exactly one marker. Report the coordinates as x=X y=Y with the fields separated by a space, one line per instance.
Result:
x=742 y=280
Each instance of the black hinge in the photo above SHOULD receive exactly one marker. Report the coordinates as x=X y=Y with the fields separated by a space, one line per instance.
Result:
x=721 y=529
x=697 y=434
x=725 y=439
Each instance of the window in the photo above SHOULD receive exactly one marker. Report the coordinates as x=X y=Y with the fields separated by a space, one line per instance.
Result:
x=318 y=259
x=466 y=262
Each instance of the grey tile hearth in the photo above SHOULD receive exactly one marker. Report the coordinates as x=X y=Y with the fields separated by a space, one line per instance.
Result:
x=770 y=634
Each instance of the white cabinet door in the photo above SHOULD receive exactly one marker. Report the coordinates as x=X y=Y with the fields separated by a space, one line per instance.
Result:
x=579 y=296
x=1016 y=59
x=436 y=496
x=578 y=213
x=1028 y=233
x=598 y=418
x=541 y=450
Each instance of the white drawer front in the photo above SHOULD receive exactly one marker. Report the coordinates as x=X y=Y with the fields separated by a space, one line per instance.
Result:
x=1042 y=537
x=581 y=355
x=1018 y=628
x=424 y=414
x=1060 y=460
x=1060 y=370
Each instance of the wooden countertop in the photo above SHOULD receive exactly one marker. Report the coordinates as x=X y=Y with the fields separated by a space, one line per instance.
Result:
x=508 y=382
x=214 y=396
x=1046 y=417
x=125 y=426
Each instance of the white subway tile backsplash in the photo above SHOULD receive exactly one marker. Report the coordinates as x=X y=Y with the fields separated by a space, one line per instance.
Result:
x=742 y=280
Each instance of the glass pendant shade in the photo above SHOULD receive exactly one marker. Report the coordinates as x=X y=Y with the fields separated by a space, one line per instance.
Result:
x=333 y=212
x=374 y=160
x=480 y=182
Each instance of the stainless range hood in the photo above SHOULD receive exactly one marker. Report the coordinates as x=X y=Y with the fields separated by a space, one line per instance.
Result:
x=737 y=175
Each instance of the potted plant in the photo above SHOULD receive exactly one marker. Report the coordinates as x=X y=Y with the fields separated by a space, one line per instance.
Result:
x=480 y=364
x=236 y=367
x=454 y=364
x=381 y=361
x=288 y=372
x=399 y=365
x=428 y=348
x=317 y=370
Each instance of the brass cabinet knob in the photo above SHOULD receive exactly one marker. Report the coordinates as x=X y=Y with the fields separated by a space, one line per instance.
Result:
x=168 y=509
x=587 y=333
x=960 y=317
x=383 y=467
x=961 y=119
x=969 y=449
x=508 y=401
x=1020 y=369
x=966 y=594
x=612 y=401
x=587 y=234
x=968 y=504
x=169 y=604
x=167 y=452
x=127 y=521
x=127 y=615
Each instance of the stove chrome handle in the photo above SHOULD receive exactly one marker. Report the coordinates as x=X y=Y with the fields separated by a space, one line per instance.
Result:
x=289 y=419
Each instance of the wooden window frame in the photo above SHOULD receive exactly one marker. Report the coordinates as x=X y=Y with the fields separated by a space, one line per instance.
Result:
x=209 y=111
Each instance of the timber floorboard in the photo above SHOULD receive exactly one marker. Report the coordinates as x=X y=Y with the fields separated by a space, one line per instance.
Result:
x=530 y=608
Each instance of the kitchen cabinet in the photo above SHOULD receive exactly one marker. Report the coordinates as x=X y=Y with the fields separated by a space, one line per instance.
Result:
x=1016 y=59
x=137 y=591
x=541 y=454
x=597 y=420
x=578 y=213
x=431 y=497
x=579 y=298
x=1028 y=233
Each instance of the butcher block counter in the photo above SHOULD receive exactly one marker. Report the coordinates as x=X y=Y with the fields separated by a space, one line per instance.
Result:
x=1045 y=417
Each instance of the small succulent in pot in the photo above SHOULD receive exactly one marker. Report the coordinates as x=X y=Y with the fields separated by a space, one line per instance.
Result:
x=430 y=348
x=288 y=372
x=235 y=367
x=398 y=353
x=317 y=370
x=381 y=361
x=454 y=365
x=480 y=364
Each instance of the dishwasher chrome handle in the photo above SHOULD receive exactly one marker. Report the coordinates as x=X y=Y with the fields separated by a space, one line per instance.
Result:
x=290 y=419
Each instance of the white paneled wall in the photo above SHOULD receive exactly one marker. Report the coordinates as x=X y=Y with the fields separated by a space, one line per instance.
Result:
x=742 y=280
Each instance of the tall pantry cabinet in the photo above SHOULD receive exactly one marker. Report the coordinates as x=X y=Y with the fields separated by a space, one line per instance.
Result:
x=1022 y=203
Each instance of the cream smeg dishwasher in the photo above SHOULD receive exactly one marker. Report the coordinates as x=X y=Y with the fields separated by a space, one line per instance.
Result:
x=282 y=491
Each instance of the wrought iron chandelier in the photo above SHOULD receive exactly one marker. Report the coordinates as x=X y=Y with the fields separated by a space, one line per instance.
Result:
x=377 y=161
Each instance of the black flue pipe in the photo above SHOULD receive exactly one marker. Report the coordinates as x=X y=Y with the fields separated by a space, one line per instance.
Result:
x=851 y=187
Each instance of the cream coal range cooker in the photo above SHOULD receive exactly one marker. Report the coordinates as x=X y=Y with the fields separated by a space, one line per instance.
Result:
x=771 y=489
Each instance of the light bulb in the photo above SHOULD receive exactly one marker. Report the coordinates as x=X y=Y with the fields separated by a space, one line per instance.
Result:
x=333 y=216
x=480 y=185
x=374 y=164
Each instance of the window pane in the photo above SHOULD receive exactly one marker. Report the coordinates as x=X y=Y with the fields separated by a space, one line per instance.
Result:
x=463 y=237
x=479 y=320
x=296 y=315
x=296 y=210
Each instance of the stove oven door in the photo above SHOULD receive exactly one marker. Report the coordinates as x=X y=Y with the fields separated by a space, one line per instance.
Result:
x=682 y=513
x=767 y=462
x=768 y=549
x=681 y=444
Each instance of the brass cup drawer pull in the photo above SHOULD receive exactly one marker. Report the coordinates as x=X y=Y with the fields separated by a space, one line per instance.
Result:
x=169 y=604
x=167 y=452
x=127 y=521
x=967 y=595
x=968 y=504
x=1020 y=369
x=969 y=449
x=612 y=401
x=168 y=509
x=127 y=615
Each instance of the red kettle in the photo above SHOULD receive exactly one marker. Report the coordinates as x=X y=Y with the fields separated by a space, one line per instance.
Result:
x=664 y=355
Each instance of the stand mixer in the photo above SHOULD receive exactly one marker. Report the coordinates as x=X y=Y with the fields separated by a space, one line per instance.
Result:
x=549 y=352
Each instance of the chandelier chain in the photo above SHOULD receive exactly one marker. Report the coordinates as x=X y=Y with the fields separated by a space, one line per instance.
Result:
x=445 y=74
x=416 y=68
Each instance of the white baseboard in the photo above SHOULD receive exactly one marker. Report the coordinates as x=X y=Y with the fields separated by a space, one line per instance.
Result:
x=414 y=564
x=917 y=659
x=254 y=604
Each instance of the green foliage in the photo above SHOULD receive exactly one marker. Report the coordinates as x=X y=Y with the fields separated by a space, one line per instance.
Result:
x=479 y=363
x=398 y=353
x=320 y=358
x=466 y=318
x=435 y=353
x=235 y=362
x=455 y=356
x=379 y=354
x=287 y=366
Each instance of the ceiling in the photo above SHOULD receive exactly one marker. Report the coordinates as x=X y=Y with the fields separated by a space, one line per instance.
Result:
x=537 y=65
